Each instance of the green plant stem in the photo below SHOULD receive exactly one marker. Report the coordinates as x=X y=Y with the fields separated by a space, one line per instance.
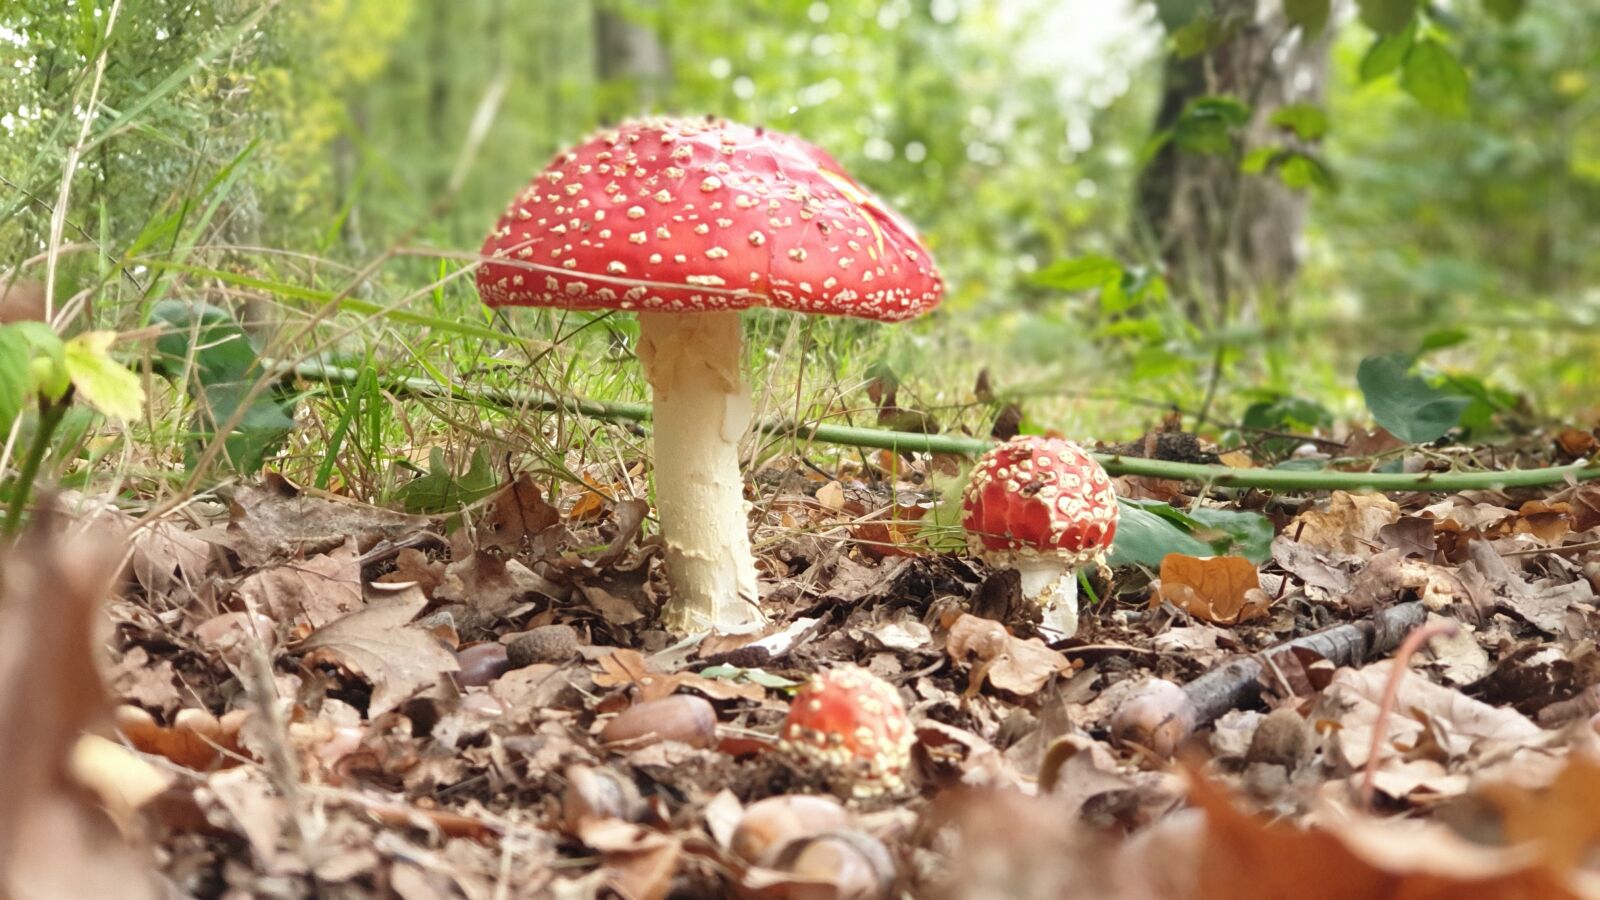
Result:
x=960 y=445
x=51 y=413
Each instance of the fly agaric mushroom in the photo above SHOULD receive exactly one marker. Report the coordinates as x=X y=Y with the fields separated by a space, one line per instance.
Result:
x=1044 y=507
x=686 y=222
x=852 y=724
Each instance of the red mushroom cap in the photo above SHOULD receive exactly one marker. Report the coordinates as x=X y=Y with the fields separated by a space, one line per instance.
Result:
x=1035 y=495
x=673 y=215
x=852 y=722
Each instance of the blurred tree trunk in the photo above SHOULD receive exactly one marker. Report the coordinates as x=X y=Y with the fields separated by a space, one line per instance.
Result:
x=1229 y=238
x=630 y=55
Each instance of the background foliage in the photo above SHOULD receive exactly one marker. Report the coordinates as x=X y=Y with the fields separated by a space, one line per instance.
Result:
x=270 y=159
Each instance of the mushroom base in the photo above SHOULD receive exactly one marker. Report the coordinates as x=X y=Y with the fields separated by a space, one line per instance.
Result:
x=701 y=410
x=1053 y=584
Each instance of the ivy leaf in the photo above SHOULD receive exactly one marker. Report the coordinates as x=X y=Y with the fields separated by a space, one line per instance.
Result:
x=1404 y=404
x=1310 y=15
x=104 y=383
x=1387 y=53
x=1387 y=16
x=1079 y=274
x=1304 y=119
x=1435 y=77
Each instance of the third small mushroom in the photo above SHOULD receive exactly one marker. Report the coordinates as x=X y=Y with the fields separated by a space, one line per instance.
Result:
x=1043 y=507
x=687 y=222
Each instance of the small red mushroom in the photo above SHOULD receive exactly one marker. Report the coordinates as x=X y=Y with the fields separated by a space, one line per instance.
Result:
x=686 y=222
x=851 y=723
x=1044 y=507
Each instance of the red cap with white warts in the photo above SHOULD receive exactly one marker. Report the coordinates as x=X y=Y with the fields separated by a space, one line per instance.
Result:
x=671 y=215
x=851 y=722
x=1035 y=495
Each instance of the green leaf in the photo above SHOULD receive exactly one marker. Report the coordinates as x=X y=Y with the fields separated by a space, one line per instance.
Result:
x=101 y=381
x=1207 y=125
x=48 y=360
x=1083 y=273
x=16 y=375
x=222 y=351
x=1144 y=537
x=1435 y=77
x=441 y=490
x=1196 y=37
x=221 y=362
x=1444 y=337
x=1302 y=170
x=1310 y=15
x=1410 y=408
x=754 y=676
x=1259 y=160
x=1245 y=534
x=1387 y=16
x=1506 y=11
x=1387 y=53
x=1307 y=120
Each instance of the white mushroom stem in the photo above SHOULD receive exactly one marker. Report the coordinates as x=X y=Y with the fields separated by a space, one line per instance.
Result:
x=701 y=409
x=1052 y=583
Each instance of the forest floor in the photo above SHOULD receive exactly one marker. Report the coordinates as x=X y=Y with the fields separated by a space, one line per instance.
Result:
x=326 y=698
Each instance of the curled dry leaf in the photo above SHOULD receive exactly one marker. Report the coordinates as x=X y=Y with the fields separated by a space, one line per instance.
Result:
x=379 y=644
x=1456 y=723
x=1223 y=589
x=1006 y=661
x=1349 y=523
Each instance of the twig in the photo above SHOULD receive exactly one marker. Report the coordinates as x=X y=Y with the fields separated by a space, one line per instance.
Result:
x=1238 y=683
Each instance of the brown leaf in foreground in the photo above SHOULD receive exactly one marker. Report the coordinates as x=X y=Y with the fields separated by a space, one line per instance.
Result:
x=1004 y=660
x=1223 y=589
x=55 y=841
x=378 y=644
x=1245 y=856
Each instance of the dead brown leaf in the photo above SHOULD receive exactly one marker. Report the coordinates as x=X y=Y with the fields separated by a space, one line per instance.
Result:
x=319 y=589
x=1348 y=523
x=628 y=667
x=378 y=644
x=1007 y=662
x=279 y=520
x=490 y=582
x=1223 y=589
x=518 y=512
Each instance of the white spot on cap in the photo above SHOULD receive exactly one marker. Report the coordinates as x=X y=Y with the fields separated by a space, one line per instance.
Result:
x=711 y=183
x=635 y=212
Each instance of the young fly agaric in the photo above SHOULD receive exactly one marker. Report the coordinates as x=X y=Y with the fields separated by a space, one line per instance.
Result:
x=686 y=222
x=1044 y=507
x=851 y=723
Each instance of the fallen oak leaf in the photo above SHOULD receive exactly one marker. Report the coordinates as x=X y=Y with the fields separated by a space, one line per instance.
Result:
x=1002 y=659
x=379 y=644
x=321 y=588
x=1221 y=589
